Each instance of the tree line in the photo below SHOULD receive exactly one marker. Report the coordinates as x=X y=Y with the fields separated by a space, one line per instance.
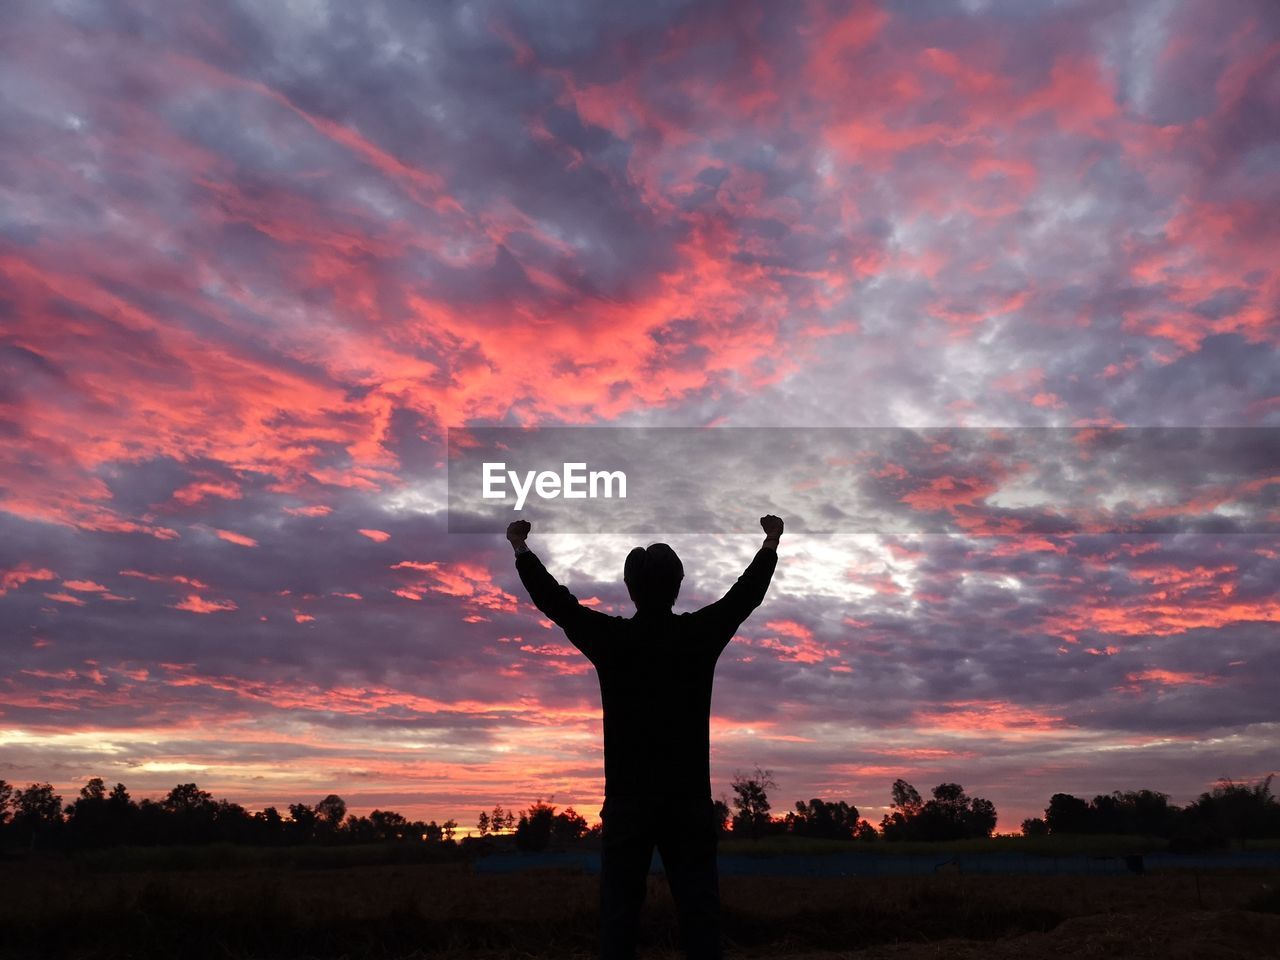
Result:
x=1231 y=811
x=36 y=817
x=99 y=817
x=949 y=814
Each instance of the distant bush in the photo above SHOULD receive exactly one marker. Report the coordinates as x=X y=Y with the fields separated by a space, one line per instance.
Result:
x=950 y=815
x=828 y=820
x=1231 y=811
x=1234 y=811
x=540 y=827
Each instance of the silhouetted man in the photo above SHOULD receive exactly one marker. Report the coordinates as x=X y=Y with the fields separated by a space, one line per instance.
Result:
x=655 y=671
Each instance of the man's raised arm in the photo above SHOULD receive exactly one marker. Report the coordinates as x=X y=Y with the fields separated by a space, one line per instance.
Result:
x=727 y=614
x=554 y=599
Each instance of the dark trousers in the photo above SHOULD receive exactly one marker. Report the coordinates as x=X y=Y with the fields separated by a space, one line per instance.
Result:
x=686 y=835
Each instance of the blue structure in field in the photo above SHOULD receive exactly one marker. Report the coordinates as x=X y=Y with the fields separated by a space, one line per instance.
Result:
x=877 y=865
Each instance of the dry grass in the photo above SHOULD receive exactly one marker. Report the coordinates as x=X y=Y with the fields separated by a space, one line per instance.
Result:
x=57 y=908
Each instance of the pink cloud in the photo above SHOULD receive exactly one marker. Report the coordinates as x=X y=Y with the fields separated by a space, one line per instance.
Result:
x=16 y=576
x=197 y=604
x=316 y=510
x=84 y=586
x=237 y=538
x=200 y=490
x=161 y=578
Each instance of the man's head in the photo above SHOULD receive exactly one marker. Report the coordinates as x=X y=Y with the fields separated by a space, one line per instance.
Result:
x=652 y=575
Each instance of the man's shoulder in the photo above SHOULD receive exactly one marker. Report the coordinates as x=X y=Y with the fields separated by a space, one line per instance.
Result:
x=604 y=624
x=664 y=620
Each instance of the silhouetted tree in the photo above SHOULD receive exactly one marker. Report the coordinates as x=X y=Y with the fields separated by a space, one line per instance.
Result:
x=904 y=805
x=389 y=825
x=88 y=817
x=1153 y=814
x=187 y=797
x=270 y=825
x=722 y=814
x=1134 y=812
x=360 y=829
x=751 y=800
x=1034 y=827
x=6 y=802
x=330 y=812
x=865 y=831
x=498 y=821
x=1236 y=811
x=569 y=826
x=1107 y=815
x=949 y=815
x=122 y=815
x=980 y=821
x=482 y=824
x=232 y=822
x=302 y=822
x=943 y=816
x=1067 y=814
x=151 y=823
x=533 y=830
x=6 y=811
x=905 y=798
x=192 y=813
x=834 y=820
x=37 y=814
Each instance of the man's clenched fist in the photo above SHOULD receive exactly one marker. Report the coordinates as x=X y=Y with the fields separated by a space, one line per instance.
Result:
x=772 y=526
x=517 y=531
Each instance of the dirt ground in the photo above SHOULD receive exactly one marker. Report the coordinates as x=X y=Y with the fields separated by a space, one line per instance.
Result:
x=1208 y=935
x=1155 y=916
x=54 y=909
x=1204 y=935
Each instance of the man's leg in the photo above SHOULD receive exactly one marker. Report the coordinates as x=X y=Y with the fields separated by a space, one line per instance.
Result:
x=626 y=850
x=687 y=839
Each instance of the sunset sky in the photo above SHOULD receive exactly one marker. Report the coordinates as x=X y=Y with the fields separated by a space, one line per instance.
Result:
x=257 y=258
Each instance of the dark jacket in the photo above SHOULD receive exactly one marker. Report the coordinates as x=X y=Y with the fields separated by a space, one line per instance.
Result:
x=655 y=671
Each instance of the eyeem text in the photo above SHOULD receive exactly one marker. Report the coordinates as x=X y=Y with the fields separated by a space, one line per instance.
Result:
x=572 y=483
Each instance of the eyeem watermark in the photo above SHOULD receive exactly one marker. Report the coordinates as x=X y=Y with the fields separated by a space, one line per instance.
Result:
x=972 y=481
x=572 y=483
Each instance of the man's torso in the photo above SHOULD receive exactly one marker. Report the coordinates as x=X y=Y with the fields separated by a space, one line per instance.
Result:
x=656 y=678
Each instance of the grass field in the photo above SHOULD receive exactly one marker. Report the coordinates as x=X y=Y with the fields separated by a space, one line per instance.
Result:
x=224 y=855
x=255 y=903
x=1055 y=846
